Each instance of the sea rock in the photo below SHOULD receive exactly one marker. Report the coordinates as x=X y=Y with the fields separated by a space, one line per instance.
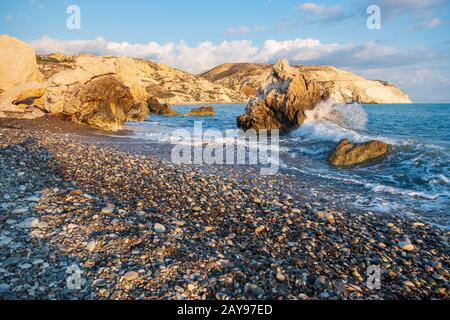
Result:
x=205 y=111
x=283 y=102
x=347 y=154
x=18 y=64
x=160 y=109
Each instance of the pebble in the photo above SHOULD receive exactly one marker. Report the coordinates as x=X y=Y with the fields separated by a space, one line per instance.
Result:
x=4 y=287
x=406 y=245
x=29 y=223
x=281 y=277
x=5 y=240
x=20 y=211
x=257 y=291
x=159 y=228
x=130 y=276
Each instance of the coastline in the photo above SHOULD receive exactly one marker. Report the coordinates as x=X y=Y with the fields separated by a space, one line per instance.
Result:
x=141 y=227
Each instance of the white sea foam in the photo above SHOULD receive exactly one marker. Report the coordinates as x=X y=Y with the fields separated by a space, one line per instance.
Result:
x=329 y=121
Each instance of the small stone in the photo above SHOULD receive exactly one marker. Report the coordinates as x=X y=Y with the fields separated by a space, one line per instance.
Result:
x=296 y=211
x=20 y=211
x=281 y=277
x=191 y=287
x=159 y=228
x=409 y=284
x=4 y=287
x=5 y=241
x=25 y=266
x=29 y=223
x=406 y=245
x=6 y=196
x=107 y=210
x=22 y=188
x=253 y=288
x=33 y=199
x=72 y=226
x=209 y=229
x=130 y=276
x=42 y=225
x=196 y=209
x=325 y=216
x=99 y=283
x=91 y=246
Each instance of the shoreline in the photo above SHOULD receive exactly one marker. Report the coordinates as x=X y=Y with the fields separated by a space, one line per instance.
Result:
x=142 y=228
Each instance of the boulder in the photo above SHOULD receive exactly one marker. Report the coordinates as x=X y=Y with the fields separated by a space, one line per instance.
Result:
x=103 y=102
x=18 y=64
x=205 y=111
x=23 y=101
x=160 y=109
x=283 y=102
x=347 y=154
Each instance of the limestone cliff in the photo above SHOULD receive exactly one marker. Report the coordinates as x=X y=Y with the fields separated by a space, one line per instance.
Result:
x=342 y=86
x=145 y=78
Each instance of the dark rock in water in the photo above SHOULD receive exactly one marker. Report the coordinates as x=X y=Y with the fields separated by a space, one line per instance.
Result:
x=347 y=154
x=206 y=111
x=284 y=101
x=160 y=109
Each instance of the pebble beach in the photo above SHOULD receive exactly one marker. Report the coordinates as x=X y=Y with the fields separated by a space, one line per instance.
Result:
x=141 y=228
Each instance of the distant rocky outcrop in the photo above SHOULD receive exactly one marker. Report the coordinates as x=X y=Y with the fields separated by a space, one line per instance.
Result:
x=145 y=78
x=205 y=111
x=283 y=102
x=342 y=86
x=160 y=109
x=347 y=154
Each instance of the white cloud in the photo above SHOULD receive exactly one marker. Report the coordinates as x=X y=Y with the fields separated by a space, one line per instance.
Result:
x=312 y=7
x=433 y=23
x=207 y=55
x=244 y=30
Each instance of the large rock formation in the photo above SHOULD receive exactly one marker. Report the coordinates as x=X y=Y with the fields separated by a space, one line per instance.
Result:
x=145 y=78
x=17 y=64
x=347 y=154
x=342 y=86
x=103 y=102
x=283 y=103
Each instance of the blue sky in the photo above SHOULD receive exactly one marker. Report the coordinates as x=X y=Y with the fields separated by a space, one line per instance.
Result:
x=411 y=49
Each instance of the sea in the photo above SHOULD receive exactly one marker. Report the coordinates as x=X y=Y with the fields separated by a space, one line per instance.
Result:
x=413 y=180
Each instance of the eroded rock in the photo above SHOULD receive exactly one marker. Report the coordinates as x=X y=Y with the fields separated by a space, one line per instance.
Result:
x=347 y=154
x=206 y=111
x=283 y=102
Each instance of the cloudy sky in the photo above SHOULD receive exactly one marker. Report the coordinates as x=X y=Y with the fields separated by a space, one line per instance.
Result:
x=411 y=49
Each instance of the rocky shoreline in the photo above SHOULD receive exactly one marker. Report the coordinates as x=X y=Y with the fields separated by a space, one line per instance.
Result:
x=139 y=227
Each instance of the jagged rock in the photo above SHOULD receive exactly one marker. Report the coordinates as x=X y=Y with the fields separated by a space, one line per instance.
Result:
x=343 y=86
x=102 y=102
x=206 y=111
x=160 y=109
x=347 y=154
x=283 y=103
x=17 y=64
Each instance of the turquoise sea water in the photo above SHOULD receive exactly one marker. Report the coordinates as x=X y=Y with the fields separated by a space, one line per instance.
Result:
x=413 y=180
